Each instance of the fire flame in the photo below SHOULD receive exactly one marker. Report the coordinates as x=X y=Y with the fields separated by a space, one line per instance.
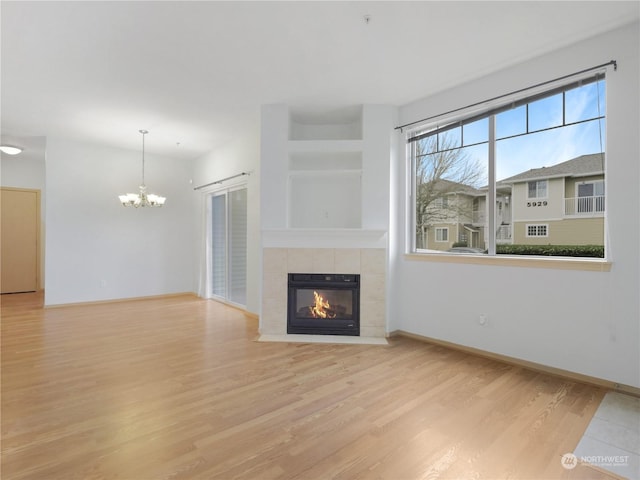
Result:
x=319 y=309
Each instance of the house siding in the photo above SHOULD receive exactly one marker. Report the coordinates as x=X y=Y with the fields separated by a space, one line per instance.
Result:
x=459 y=212
x=523 y=207
x=572 y=231
x=572 y=182
x=432 y=244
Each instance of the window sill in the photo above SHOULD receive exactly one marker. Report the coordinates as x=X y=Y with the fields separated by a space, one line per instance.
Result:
x=556 y=263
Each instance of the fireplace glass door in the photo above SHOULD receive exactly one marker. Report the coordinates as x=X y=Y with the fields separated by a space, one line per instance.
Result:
x=326 y=303
x=323 y=304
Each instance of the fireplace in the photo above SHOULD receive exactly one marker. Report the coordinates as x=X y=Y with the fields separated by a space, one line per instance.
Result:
x=324 y=304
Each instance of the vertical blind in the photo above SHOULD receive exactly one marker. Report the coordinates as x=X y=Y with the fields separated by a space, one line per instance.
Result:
x=229 y=245
x=219 y=245
x=238 y=246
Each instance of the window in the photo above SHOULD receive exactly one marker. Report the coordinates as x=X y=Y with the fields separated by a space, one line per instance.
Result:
x=441 y=202
x=538 y=230
x=442 y=234
x=511 y=173
x=449 y=169
x=538 y=189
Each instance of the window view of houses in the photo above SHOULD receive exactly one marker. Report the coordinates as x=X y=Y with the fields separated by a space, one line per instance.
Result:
x=548 y=168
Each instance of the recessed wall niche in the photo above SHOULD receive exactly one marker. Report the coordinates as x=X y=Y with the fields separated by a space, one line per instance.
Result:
x=324 y=188
x=325 y=170
x=339 y=124
x=325 y=199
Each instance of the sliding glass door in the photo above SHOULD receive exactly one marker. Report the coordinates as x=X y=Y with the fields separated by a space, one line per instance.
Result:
x=228 y=269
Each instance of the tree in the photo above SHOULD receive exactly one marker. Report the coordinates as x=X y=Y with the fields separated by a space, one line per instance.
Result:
x=443 y=170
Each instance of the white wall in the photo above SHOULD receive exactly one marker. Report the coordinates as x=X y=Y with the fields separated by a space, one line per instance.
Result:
x=377 y=124
x=97 y=249
x=242 y=154
x=584 y=322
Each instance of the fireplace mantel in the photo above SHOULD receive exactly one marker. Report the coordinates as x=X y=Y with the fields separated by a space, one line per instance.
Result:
x=324 y=238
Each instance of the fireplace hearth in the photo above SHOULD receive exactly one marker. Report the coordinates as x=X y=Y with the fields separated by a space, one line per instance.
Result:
x=323 y=304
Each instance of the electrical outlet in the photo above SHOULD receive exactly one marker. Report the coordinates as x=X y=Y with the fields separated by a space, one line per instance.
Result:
x=482 y=319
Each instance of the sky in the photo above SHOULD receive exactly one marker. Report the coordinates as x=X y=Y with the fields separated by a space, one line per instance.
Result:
x=551 y=147
x=544 y=148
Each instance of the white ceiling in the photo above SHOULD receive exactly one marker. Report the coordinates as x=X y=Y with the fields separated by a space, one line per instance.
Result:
x=197 y=72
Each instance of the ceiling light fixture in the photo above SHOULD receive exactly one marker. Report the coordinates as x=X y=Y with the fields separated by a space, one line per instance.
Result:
x=142 y=199
x=10 y=149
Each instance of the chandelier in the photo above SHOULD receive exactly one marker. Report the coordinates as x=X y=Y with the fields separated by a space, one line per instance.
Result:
x=142 y=198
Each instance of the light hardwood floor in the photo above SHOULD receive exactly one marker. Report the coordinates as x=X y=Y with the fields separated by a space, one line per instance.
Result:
x=179 y=388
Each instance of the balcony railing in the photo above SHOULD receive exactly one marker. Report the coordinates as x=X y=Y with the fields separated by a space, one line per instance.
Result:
x=589 y=206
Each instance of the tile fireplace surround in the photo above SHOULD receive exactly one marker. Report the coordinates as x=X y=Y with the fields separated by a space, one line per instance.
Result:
x=278 y=262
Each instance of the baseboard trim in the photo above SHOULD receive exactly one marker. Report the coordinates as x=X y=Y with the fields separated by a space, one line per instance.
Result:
x=122 y=300
x=335 y=339
x=558 y=372
x=600 y=472
x=253 y=316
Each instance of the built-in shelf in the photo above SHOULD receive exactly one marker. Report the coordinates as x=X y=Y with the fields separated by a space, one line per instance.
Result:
x=325 y=146
x=324 y=238
x=330 y=170
x=324 y=187
x=342 y=125
x=316 y=161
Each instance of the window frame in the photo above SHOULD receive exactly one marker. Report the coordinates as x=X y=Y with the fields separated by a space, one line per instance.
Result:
x=537 y=226
x=462 y=117
x=441 y=202
x=441 y=229
x=537 y=182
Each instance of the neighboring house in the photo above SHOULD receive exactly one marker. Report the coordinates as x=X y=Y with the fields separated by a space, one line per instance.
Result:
x=560 y=205
x=456 y=214
x=445 y=208
x=503 y=217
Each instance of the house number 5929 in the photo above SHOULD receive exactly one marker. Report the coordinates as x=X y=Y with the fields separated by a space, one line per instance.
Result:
x=537 y=204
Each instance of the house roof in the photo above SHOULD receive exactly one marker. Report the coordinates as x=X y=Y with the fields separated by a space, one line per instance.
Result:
x=592 y=164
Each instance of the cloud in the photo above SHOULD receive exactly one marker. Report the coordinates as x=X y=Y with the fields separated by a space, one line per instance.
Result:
x=550 y=147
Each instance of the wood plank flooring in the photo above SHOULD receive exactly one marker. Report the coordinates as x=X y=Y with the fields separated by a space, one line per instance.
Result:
x=177 y=388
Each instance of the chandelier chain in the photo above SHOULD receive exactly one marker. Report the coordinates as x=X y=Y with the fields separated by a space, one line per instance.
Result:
x=143 y=132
